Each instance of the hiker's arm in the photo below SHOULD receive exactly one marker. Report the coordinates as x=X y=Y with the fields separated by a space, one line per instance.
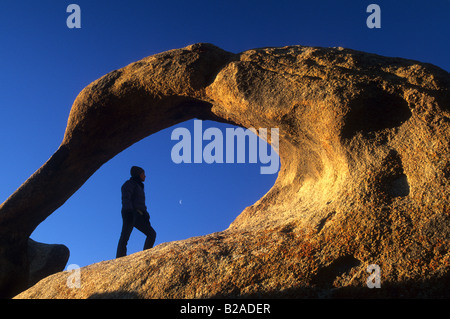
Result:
x=127 y=195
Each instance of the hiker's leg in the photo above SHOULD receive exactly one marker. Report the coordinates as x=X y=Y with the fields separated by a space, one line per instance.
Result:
x=145 y=227
x=127 y=227
x=151 y=238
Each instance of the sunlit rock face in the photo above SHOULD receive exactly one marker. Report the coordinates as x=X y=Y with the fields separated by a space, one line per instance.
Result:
x=362 y=191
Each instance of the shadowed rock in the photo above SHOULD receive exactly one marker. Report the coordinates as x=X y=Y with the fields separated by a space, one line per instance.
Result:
x=363 y=180
x=45 y=260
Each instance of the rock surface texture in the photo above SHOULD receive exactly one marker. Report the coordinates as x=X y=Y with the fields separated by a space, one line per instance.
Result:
x=45 y=260
x=364 y=179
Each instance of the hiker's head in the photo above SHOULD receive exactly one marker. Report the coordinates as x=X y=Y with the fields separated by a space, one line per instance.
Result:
x=138 y=172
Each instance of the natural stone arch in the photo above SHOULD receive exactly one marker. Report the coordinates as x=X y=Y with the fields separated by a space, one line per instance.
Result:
x=331 y=165
x=109 y=115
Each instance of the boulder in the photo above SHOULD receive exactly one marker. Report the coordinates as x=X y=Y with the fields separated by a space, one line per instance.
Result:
x=45 y=259
x=363 y=184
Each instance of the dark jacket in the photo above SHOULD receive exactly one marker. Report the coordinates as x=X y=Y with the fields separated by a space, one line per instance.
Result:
x=133 y=196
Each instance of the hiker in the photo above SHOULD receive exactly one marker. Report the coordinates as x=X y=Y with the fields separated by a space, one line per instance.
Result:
x=134 y=212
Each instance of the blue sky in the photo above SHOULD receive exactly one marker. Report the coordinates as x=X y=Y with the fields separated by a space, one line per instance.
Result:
x=45 y=65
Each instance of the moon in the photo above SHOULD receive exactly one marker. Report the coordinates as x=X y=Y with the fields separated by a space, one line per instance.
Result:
x=181 y=202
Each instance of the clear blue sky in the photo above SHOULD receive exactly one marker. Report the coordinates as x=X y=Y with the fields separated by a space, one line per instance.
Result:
x=44 y=65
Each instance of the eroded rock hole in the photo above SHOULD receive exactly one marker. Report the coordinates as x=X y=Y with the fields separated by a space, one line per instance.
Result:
x=392 y=177
x=327 y=275
x=399 y=186
x=374 y=111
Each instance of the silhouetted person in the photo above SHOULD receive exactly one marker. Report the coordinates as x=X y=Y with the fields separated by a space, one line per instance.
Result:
x=134 y=212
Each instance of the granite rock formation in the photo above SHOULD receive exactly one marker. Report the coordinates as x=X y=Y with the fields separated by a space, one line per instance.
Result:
x=45 y=260
x=364 y=179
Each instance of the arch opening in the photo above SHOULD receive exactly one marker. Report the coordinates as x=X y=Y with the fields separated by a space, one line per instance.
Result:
x=185 y=200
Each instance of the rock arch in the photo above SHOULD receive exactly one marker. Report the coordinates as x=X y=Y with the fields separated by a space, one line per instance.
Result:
x=331 y=165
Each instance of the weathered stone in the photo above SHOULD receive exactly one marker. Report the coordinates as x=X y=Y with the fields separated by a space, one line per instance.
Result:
x=45 y=260
x=364 y=148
